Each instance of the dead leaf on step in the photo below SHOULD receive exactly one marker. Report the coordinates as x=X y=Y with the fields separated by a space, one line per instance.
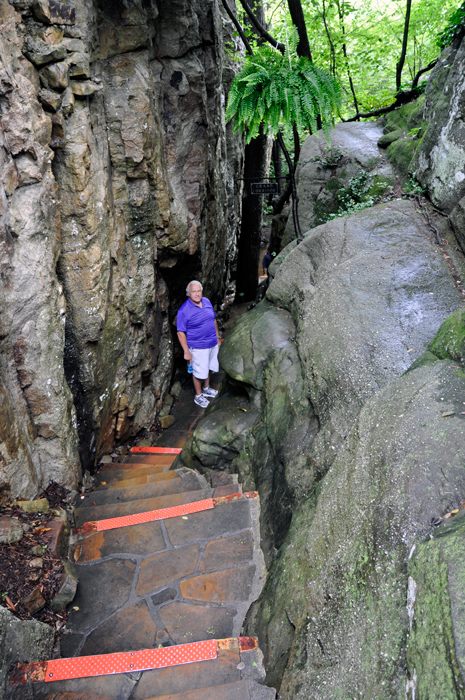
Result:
x=103 y=483
x=448 y=413
x=75 y=607
x=243 y=409
x=184 y=517
x=411 y=350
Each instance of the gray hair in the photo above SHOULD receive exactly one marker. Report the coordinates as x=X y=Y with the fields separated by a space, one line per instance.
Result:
x=193 y=282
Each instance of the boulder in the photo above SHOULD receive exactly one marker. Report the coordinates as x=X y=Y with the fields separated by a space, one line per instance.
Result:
x=51 y=100
x=326 y=173
x=440 y=162
x=256 y=337
x=404 y=130
x=11 y=529
x=22 y=642
x=367 y=293
x=67 y=102
x=167 y=421
x=347 y=311
x=348 y=553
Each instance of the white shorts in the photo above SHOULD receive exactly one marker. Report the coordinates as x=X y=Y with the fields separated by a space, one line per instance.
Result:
x=204 y=361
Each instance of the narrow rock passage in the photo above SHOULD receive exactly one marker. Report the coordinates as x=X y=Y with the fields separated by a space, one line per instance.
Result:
x=159 y=584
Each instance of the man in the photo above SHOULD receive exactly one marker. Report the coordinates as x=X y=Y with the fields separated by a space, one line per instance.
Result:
x=266 y=260
x=198 y=335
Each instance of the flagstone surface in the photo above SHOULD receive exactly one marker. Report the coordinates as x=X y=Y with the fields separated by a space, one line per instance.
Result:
x=184 y=579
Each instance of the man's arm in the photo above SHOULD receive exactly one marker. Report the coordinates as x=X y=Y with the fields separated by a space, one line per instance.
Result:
x=183 y=340
x=217 y=331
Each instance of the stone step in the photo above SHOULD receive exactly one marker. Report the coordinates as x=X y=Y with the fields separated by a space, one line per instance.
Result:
x=241 y=690
x=162 y=460
x=114 y=510
x=185 y=480
x=115 y=474
x=136 y=479
x=235 y=669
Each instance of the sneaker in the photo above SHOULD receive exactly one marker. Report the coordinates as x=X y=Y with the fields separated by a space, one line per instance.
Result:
x=201 y=401
x=209 y=392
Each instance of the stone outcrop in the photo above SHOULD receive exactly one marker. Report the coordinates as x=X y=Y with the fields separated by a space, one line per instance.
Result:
x=117 y=187
x=329 y=174
x=440 y=163
x=353 y=434
x=22 y=641
x=347 y=312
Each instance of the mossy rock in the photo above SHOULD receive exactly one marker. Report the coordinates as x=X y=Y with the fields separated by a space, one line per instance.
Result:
x=405 y=118
x=391 y=136
x=436 y=650
x=401 y=153
x=378 y=186
x=408 y=125
x=426 y=358
x=449 y=341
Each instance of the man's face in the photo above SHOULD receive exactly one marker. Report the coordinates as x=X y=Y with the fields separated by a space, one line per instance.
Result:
x=195 y=293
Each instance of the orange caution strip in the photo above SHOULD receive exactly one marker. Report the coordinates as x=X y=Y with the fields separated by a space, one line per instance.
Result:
x=127 y=662
x=151 y=515
x=157 y=450
x=161 y=514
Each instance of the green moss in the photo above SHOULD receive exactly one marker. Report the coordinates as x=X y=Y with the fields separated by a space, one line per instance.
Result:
x=323 y=209
x=427 y=358
x=406 y=118
x=333 y=184
x=391 y=136
x=406 y=122
x=401 y=153
x=436 y=639
x=379 y=186
x=449 y=341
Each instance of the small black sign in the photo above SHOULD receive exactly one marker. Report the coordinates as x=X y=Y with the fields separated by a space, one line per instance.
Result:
x=264 y=188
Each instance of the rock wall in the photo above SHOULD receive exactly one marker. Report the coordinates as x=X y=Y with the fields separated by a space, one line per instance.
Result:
x=117 y=187
x=440 y=163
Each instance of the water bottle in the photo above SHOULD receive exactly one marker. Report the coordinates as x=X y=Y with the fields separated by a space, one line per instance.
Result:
x=190 y=369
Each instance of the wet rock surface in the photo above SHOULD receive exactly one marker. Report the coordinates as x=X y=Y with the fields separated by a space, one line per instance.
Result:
x=347 y=311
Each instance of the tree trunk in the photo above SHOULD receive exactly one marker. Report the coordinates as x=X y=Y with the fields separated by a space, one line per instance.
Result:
x=303 y=47
x=297 y=14
x=251 y=225
x=278 y=168
x=248 y=253
x=401 y=62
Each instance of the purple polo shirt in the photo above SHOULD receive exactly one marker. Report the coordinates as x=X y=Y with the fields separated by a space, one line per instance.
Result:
x=198 y=324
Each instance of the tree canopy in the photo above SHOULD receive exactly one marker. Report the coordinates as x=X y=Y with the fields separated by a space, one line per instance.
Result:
x=362 y=40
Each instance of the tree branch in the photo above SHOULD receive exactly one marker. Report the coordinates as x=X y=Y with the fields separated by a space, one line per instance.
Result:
x=239 y=29
x=402 y=98
x=423 y=70
x=260 y=29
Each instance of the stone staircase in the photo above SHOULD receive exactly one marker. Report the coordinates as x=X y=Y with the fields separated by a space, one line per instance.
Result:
x=159 y=582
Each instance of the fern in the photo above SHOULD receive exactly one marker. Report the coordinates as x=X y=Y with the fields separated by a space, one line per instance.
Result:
x=280 y=90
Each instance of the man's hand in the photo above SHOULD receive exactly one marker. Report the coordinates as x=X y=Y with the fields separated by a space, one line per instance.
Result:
x=187 y=355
